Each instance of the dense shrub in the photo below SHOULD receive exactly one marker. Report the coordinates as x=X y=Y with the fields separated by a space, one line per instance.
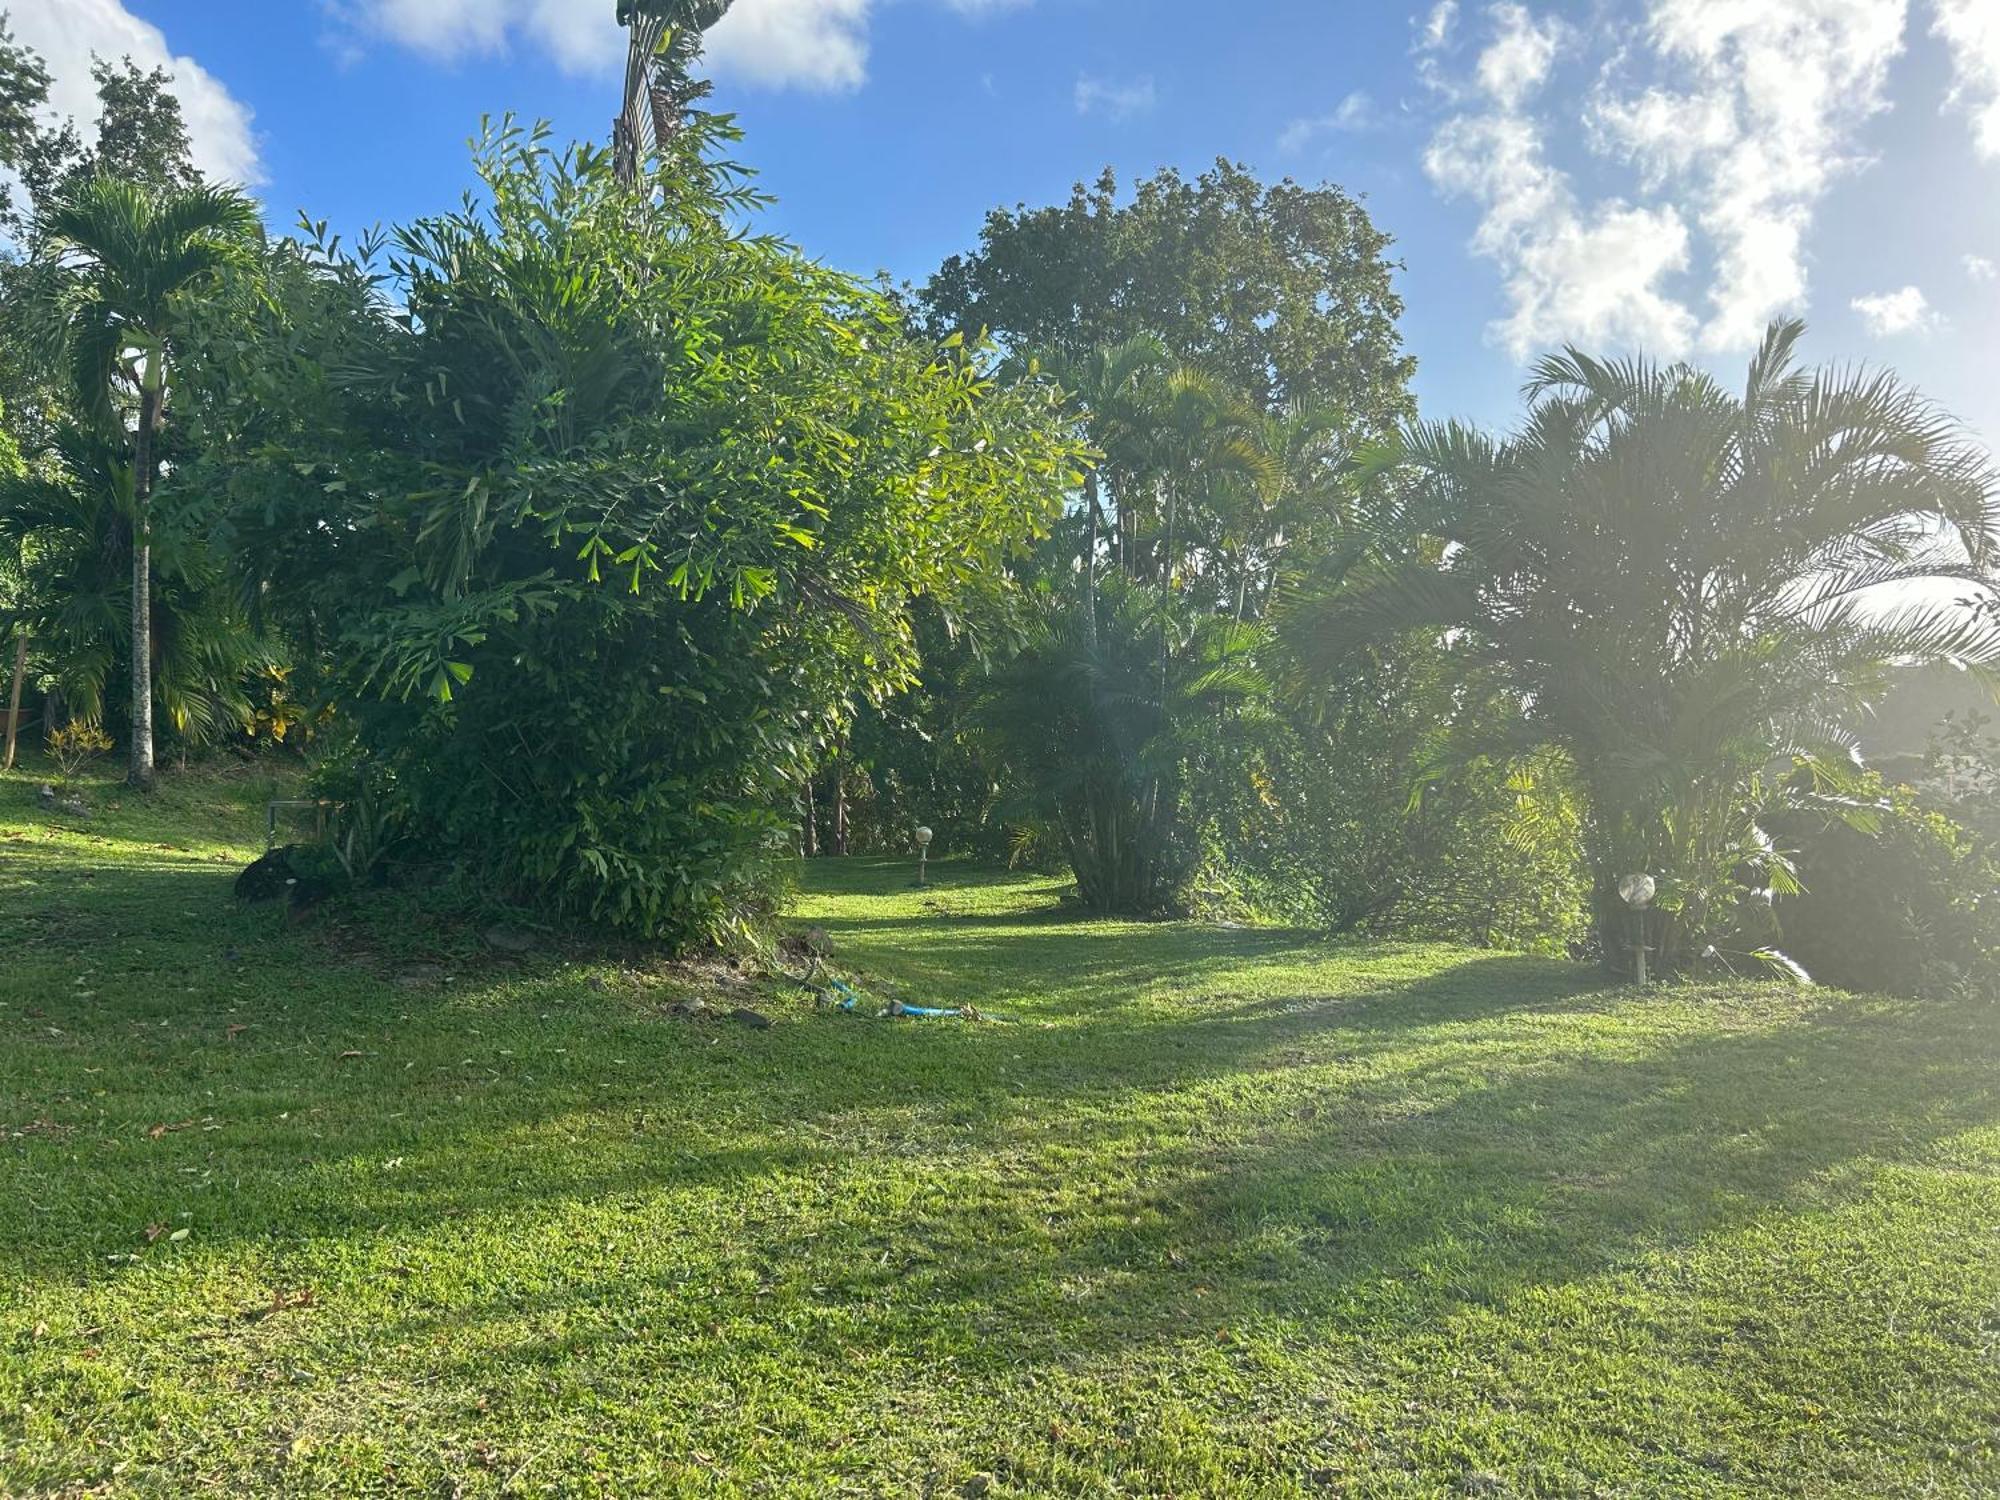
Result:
x=1908 y=906
x=1366 y=813
x=603 y=534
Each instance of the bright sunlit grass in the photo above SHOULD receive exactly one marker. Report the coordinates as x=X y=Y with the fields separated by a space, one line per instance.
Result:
x=1216 y=1212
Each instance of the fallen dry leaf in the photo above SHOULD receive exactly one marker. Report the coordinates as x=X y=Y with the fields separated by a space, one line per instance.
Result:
x=235 y=1030
x=346 y=1055
x=154 y=1231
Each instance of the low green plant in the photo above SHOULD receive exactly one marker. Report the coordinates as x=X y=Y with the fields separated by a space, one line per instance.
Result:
x=1905 y=902
x=75 y=747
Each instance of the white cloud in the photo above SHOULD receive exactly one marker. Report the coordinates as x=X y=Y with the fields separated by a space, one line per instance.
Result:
x=1593 y=275
x=1120 y=101
x=1733 y=118
x=68 y=32
x=1971 y=29
x=1571 y=272
x=1979 y=268
x=1785 y=88
x=1518 y=60
x=1887 y=314
x=818 y=44
x=1437 y=26
x=1355 y=112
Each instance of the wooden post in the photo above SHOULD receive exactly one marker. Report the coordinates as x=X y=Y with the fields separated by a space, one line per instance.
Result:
x=14 y=698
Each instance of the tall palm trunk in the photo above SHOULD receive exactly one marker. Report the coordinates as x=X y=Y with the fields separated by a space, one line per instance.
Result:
x=840 y=801
x=14 y=697
x=1092 y=494
x=141 y=773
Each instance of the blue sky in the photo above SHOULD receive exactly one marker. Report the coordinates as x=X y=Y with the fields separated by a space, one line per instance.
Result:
x=1664 y=174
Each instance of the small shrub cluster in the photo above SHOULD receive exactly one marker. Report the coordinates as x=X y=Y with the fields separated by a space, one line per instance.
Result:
x=1909 y=907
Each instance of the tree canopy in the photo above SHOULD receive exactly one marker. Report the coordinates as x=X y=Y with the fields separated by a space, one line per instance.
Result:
x=1279 y=291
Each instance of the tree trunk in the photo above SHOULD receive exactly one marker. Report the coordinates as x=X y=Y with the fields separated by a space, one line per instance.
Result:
x=1166 y=595
x=811 y=840
x=14 y=697
x=141 y=774
x=1090 y=490
x=840 y=805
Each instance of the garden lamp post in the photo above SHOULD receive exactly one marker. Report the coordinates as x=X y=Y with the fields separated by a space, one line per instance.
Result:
x=1637 y=892
x=924 y=837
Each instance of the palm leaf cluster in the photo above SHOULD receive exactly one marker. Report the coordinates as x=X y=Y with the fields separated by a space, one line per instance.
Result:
x=128 y=258
x=660 y=86
x=1093 y=722
x=69 y=521
x=1685 y=586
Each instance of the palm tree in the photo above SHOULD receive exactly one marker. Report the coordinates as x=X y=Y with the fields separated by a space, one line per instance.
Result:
x=1099 y=715
x=1095 y=744
x=13 y=590
x=659 y=68
x=130 y=262
x=1686 y=588
x=70 y=522
x=1111 y=394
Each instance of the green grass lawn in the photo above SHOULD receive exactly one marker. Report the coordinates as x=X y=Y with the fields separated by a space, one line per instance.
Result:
x=1215 y=1212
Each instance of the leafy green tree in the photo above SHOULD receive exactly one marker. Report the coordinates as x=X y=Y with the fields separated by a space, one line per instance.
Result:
x=602 y=534
x=1684 y=585
x=1275 y=291
x=24 y=94
x=141 y=133
x=142 y=138
x=127 y=262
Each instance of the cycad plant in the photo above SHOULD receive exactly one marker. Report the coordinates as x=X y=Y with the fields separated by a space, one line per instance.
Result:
x=128 y=264
x=1687 y=587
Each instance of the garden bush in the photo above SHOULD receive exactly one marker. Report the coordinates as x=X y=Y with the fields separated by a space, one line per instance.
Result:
x=606 y=528
x=1911 y=906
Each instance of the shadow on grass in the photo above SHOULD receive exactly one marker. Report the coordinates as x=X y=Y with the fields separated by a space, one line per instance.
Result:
x=1381 y=1152
x=1370 y=1211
